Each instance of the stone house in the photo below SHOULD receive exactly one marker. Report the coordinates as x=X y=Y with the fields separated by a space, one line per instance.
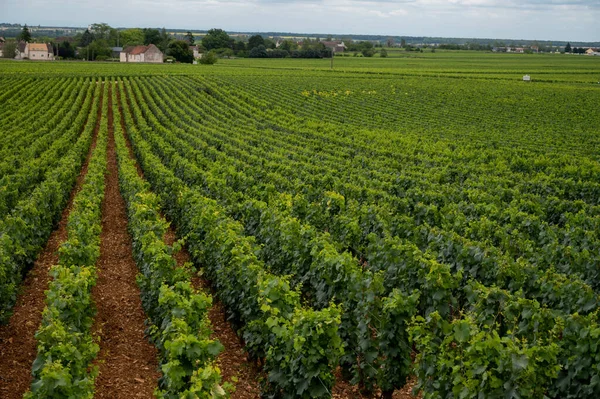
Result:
x=149 y=53
x=39 y=51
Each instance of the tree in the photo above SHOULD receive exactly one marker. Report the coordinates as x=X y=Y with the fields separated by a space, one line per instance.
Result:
x=270 y=43
x=86 y=39
x=390 y=42
x=209 y=58
x=180 y=50
x=132 y=37
x=190 y=38
x=402 y=43
x=65 y=50
x=255 y=41
x=216 y=38
x=151 y=36
x=259 y=52
x=568 y=48
x=383 y=53
x=288 y=45
x=10 y=49
x=25 y=34
x=239 y=46
x=100 y=48
x=101 y=31
x=367 y=50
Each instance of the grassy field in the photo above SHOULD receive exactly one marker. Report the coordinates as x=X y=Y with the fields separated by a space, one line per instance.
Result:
x=428 y=217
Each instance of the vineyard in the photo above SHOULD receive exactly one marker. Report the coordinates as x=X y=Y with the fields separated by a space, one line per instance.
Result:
x=427 y=223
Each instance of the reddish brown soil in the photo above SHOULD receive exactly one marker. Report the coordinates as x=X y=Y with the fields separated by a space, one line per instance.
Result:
x=344 y=390
x=128 y=366
x=18 y=347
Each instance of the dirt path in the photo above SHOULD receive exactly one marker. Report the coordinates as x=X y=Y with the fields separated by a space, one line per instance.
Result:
x=127 y=362
x=18 y=347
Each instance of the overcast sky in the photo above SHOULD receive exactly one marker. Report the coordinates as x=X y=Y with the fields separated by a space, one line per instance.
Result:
x=573 y=20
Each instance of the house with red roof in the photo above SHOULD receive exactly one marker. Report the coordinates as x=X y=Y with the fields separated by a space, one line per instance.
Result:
x=149 y=53
x=39 y=51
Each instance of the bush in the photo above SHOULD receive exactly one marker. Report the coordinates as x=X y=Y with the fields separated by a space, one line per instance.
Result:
x=209 y=58
x=101 y=58
x=259 y=52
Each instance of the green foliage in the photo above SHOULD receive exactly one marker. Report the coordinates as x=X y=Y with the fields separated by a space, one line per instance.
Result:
x=131 y=37
x=9 y=49
x=209 y=58
x=216 y=38
x=178 y=314
x=25 y=230
x=180 y=50
x=259 y=52
x=64 y=342
x=255 y=41
x=25 y=34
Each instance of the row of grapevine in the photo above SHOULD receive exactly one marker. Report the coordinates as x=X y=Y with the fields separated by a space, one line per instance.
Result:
x=65 y=344
x=300 y=346
x=35 y=163
x=578 y=302
x=26 y=229
x=178 y=315
x=310 y=258
x=340 y=220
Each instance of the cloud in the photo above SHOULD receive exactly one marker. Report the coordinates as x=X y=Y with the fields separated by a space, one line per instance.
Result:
x=504 y=19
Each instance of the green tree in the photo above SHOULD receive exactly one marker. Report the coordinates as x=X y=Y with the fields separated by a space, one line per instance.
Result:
x=86 y=39
x=270 y=43
x=132 y=37
x=25 y=34
x=288 y=45
x=151 y=36
x=180 y=50
x=383 y=53
x=239 y=46
x=101 y=31
x=402 y=43
x=209 y=58
x=190 y=38
x=216 y=38
x=10 y=49
x=65 y=50
x=99 y=48
x=255 y=41
x=568 y=48
x=259 y=52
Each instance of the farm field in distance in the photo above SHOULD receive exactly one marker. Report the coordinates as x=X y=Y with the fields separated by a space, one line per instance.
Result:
x=428 y=222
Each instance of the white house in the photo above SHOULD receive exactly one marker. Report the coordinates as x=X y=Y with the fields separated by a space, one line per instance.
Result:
x=39 y=52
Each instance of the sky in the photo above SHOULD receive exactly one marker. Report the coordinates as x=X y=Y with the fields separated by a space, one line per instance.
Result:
x=569 y=20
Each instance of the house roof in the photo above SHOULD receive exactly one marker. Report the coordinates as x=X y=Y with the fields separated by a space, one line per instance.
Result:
x=40 y=47
x=135 y=50
x=2 y=40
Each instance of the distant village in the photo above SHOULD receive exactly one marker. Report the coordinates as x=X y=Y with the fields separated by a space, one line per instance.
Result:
x=100 y=42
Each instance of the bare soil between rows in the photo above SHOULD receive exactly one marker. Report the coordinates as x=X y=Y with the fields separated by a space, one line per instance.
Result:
x=128 y=364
